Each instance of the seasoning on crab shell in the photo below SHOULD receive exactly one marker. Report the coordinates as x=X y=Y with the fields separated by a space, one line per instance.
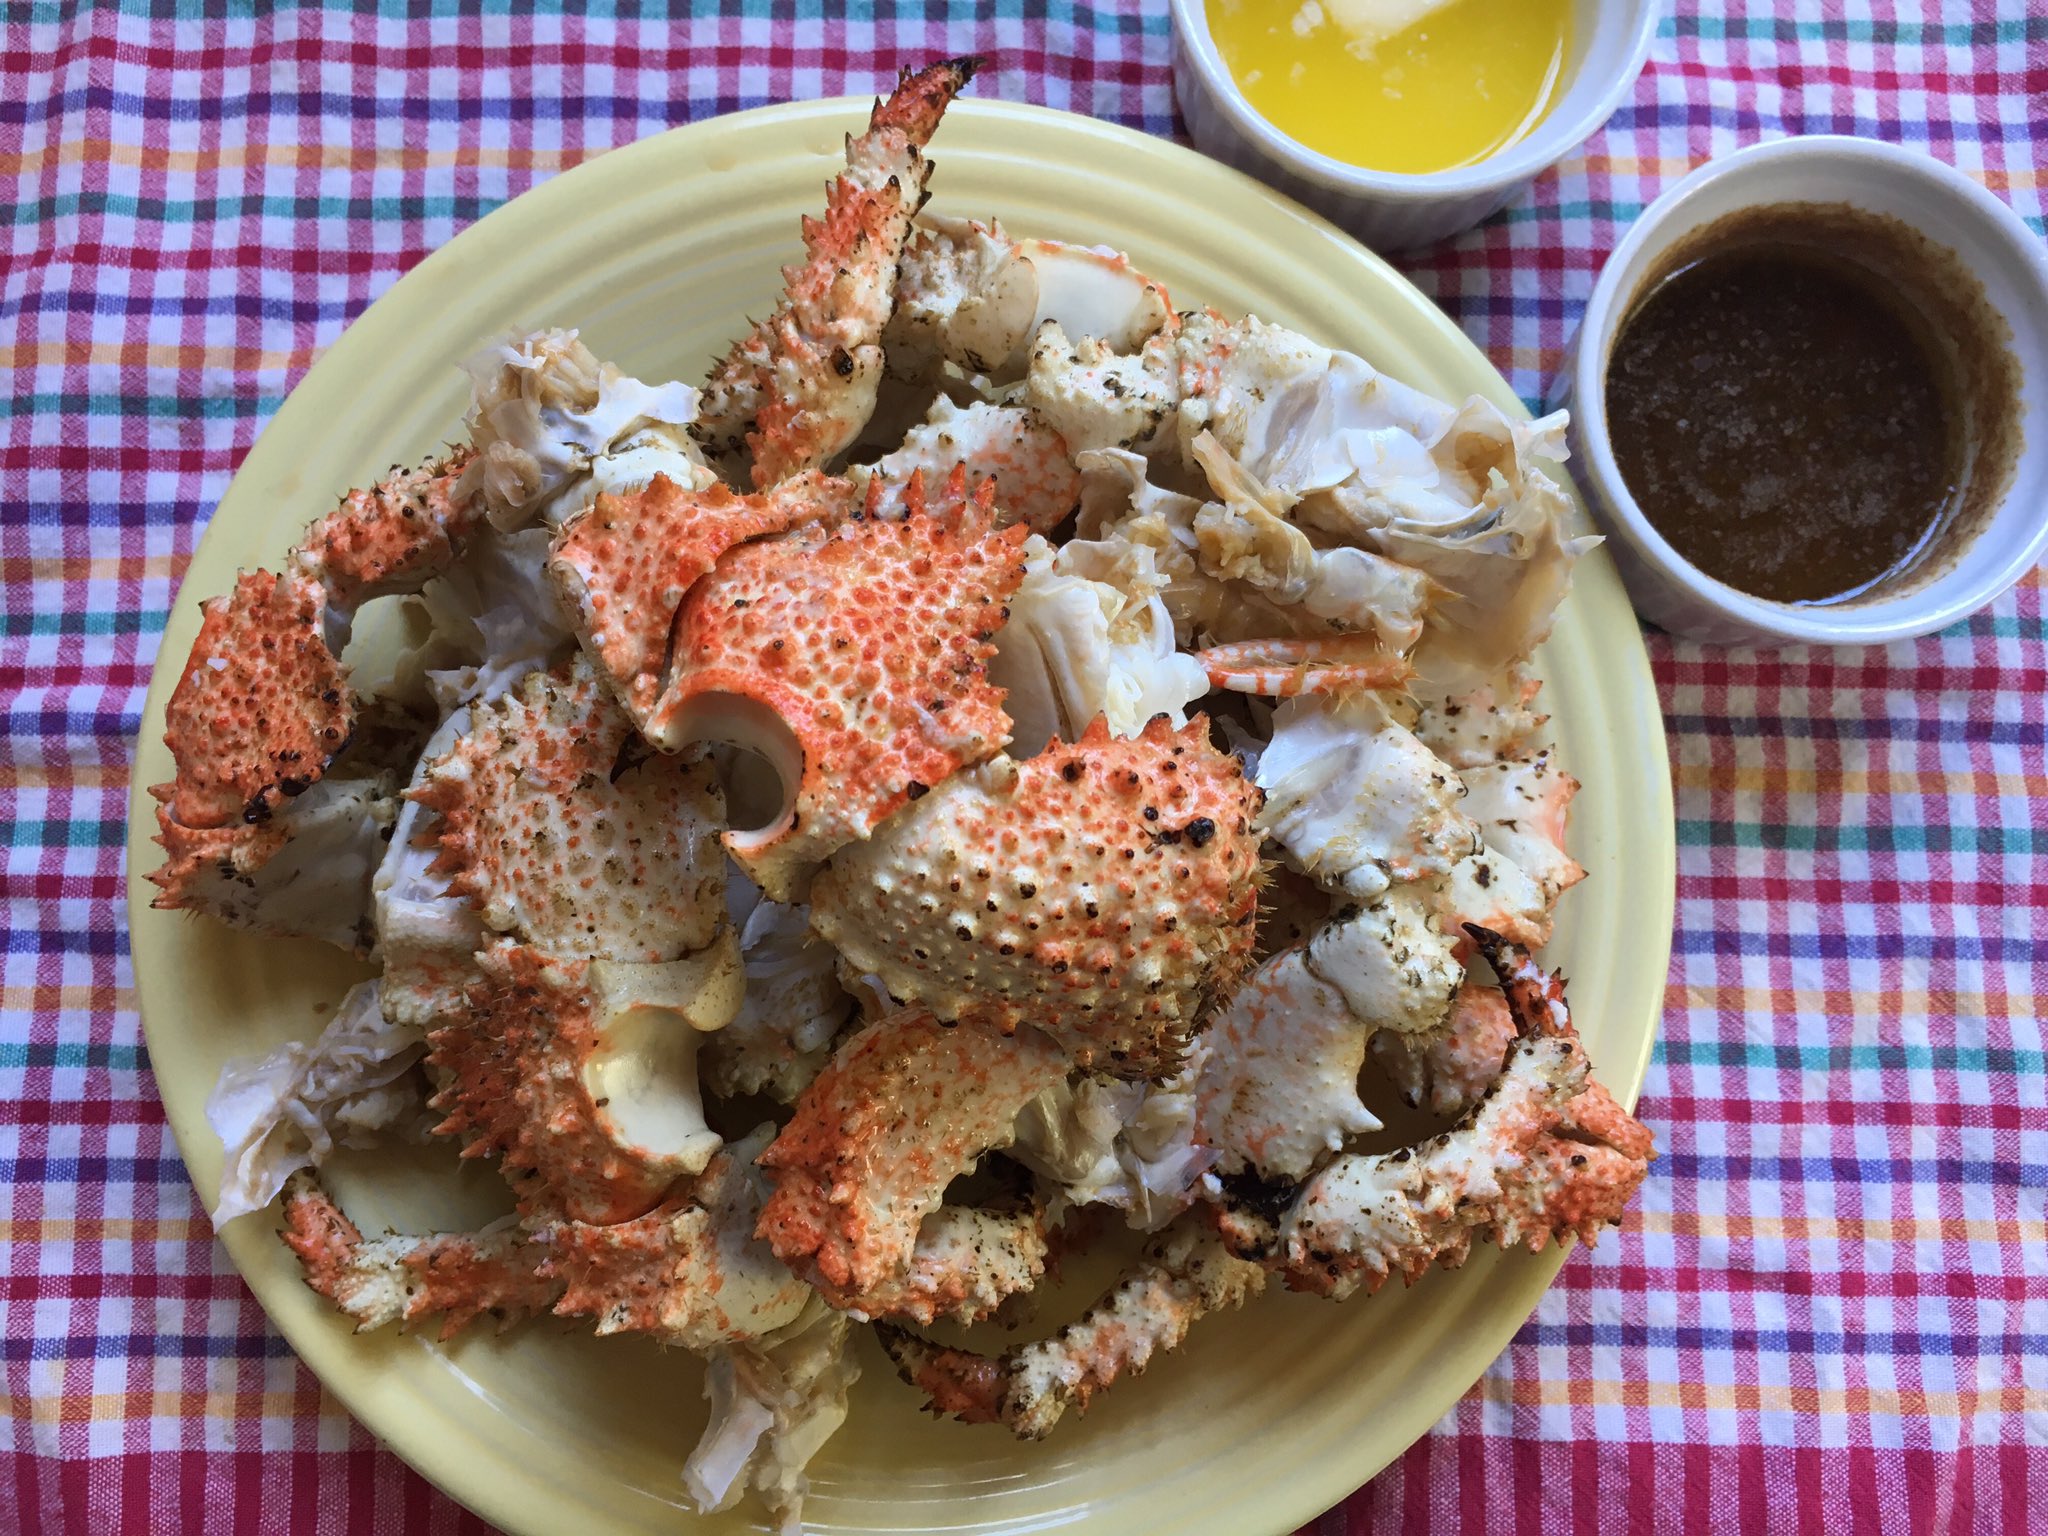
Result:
x=1105 y=892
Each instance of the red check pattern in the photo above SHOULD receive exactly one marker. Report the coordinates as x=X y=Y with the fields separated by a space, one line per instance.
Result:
x=1830 y=1309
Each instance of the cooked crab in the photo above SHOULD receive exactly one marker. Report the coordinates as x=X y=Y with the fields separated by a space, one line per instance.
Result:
x=1103 y=892
x=936 y=682
x=902 y=1109
x=854 y=659
x=1185 y=1273
x=968 y=294
x=1544 y=1153
x=799 y=388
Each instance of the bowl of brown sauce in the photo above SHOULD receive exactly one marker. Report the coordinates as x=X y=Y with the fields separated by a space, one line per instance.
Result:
x=1810 y=397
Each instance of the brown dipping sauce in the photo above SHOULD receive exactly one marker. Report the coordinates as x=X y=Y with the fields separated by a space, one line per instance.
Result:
x=1784 y=416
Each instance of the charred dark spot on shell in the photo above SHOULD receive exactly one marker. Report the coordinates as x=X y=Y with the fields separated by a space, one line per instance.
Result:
x=918 y=791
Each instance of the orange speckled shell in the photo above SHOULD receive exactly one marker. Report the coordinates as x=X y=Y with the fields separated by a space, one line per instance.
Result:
x=514 y=1088
x=625 y=564
x=1106 y=892
x=567 y=843
x=871 y=642
x=449 y=1275
x=902 y=1109
x=393 y=536
x=262 y=707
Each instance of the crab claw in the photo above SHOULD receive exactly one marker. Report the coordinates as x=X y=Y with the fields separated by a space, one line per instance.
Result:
x=854 y=659
x=582 y=1075
x=802 y=385
x=1545 y=1152
x=1283 y=668
x=253 y=830
x=457 y=1276
x=901 y=1110
x=1105 y=892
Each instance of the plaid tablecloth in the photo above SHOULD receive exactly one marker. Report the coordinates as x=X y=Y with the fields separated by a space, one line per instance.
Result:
x=1829 y=1310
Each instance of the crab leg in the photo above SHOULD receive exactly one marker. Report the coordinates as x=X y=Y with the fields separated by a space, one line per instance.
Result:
x=459 y=1276
x=1544 y=1153
x=1284 y=668
x=1185 y=1274
x=799 y=389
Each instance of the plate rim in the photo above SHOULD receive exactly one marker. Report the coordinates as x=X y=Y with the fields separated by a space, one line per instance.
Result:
x=309 y=1330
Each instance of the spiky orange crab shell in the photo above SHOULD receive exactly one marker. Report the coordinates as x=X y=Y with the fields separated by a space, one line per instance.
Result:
x=690 y=1271
x=1104 y=891
x=513 y=1086
x=567 y=836
x=624 y=565
x=394 y=535
x=869 y=643
x=262 y=708
x=901 y=1110
x=455 y=1276
x=800 y=387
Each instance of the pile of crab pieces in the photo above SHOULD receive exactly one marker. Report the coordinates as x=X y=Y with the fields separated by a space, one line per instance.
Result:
x=818 y=849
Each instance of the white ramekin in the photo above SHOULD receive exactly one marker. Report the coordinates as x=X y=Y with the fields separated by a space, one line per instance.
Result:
x=1387 y=210
x=1952 y=211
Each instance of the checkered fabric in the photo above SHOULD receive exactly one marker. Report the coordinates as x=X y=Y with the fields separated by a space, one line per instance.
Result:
x=1829 y=1310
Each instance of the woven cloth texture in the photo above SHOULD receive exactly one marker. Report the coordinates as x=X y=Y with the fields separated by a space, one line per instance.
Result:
x=1829 y=1307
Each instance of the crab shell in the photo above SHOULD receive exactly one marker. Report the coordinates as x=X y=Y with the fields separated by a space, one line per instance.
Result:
x=855 y=660
x=1105 y=892
x=568 y=833
x=559 y=1063
x=394 y=535
x=624 y=566
x=262 y=708
x=901 y=1110
x=455 y=1276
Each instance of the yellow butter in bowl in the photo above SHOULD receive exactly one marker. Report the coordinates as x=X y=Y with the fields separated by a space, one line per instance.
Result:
x=1397 y=85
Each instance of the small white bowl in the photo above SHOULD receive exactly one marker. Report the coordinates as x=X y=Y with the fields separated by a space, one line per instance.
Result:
x=1964 y=571
x=1388 y=210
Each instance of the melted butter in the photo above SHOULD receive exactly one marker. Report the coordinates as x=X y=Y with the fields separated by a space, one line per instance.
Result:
x=1397 y=85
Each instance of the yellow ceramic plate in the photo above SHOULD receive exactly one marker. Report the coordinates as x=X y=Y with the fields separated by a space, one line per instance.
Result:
x=656 y=251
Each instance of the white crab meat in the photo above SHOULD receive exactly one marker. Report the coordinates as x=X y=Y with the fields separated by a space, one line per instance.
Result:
x=775 y=1401
x=1075 y=648
x=1279 y=1091
x=1132 y=1147
x=793 y=1009
x=1391 y=961
x=1355 y=800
